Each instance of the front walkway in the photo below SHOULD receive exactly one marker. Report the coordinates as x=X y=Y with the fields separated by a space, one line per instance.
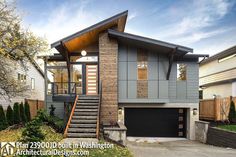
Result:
x=179 y=148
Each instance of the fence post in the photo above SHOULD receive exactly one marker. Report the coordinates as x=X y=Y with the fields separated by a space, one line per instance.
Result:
x=216 y=102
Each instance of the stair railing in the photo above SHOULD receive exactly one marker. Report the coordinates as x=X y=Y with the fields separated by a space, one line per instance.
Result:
x=71 y=114
x=99 y=110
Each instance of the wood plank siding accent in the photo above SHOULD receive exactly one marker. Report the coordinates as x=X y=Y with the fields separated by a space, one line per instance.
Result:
x=108 y=64
x=218 y=77
x=91 y=80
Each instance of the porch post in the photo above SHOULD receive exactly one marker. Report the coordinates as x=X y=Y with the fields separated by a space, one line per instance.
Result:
x=45 y=82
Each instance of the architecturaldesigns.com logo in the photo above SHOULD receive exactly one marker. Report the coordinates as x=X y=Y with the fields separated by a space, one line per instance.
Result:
x=7 y=148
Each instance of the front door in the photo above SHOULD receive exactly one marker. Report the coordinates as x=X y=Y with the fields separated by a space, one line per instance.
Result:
x=91 y=80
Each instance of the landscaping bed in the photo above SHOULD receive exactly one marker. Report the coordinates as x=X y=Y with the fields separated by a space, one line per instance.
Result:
x=228 y=127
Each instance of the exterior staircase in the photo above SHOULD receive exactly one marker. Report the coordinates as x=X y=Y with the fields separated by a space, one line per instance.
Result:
x=83 y=122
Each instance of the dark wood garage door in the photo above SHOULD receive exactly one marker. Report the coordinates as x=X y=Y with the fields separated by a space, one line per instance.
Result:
x=155 y=122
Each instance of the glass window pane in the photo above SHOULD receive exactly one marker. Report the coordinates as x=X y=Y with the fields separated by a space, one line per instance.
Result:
x=142 y=70
x=181 y=72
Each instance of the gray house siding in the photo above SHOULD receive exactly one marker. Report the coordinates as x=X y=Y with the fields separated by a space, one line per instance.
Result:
x=160 y=90
x=59 y=106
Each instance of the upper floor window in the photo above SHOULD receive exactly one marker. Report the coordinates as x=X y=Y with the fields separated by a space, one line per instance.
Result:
x=181 y=72
x=33 y=83
x=142 y=64
x=226 y=58
x=21 y=77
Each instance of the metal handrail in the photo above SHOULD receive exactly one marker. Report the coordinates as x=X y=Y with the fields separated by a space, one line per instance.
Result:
x=63 y=89
x=99 y=110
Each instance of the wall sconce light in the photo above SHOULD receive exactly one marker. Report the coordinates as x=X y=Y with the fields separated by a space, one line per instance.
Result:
x=195 y=111
x=214 y=96
x=83 y=53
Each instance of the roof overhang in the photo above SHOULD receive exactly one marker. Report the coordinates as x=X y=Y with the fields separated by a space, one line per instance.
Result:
x=87 y=36
x=157 y=45
x=227 y=52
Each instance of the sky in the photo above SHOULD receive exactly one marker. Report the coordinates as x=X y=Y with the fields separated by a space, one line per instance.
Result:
x=207 y=26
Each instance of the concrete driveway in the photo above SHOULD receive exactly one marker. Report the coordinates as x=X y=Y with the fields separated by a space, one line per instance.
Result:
x=176 y=148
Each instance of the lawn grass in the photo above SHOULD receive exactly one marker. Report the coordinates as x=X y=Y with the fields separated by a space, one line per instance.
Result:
x=228 y=127
x=14 y=135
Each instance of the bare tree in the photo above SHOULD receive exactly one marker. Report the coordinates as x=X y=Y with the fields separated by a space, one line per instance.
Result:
x=17 y=46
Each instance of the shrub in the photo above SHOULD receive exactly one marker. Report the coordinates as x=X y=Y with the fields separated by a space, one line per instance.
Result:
x=10 y=116
x=52 y=109
x=56 y=123
x=16 y=114
x=43 y=115
x=3 y=120
x=32 y=131
x=27 y=112
x=22 y=113
x=232 y=112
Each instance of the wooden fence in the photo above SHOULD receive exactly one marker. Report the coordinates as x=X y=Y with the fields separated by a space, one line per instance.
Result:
x=35 y=105
x=215 y=109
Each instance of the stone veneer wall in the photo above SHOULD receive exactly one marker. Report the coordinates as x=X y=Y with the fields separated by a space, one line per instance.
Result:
x=108 y=63
x=142 y=89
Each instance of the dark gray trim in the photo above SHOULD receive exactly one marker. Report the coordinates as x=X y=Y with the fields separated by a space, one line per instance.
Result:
x=116 y=34
x=84 y=78
x=220 y=55
x=104 y=22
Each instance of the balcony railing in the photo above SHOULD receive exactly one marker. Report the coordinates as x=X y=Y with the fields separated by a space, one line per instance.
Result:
x=66 y=88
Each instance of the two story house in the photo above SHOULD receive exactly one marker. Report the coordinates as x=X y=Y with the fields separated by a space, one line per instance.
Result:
x=102 y=75
x=32 y=76
x=217 y=75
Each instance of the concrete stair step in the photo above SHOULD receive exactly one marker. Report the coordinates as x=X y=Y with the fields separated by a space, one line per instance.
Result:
x=86 y=107
x=86 y=110
x=88 y=97
x=83 y=121
x=77 y=113
x=81 y=135
x=87 y=104
x=88 y=101
x=83 y=125
x=84 y=117
x=81 y=130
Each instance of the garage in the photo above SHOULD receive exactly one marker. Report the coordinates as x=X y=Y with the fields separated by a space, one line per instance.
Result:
x=155 y=122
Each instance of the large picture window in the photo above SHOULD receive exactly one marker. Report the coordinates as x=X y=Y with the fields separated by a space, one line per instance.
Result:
x=142 y=64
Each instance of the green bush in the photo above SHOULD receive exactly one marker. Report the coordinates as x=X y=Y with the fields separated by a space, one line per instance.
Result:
x=22 y=113
x=43 y=115
x=27 y=112
x=232 y=112
x=56 y=123
x=16 y=114
x=3 y=120
x=32 y=131
x=10 y=116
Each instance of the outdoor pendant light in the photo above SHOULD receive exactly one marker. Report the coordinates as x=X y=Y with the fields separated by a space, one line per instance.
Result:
x=83 y=53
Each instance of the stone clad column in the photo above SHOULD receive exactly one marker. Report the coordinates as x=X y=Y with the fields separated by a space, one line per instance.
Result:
x=108 y=63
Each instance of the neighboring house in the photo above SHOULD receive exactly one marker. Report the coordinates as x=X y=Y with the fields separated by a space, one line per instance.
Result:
x=33 y=77
x=138 y=76
x=217 y=75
